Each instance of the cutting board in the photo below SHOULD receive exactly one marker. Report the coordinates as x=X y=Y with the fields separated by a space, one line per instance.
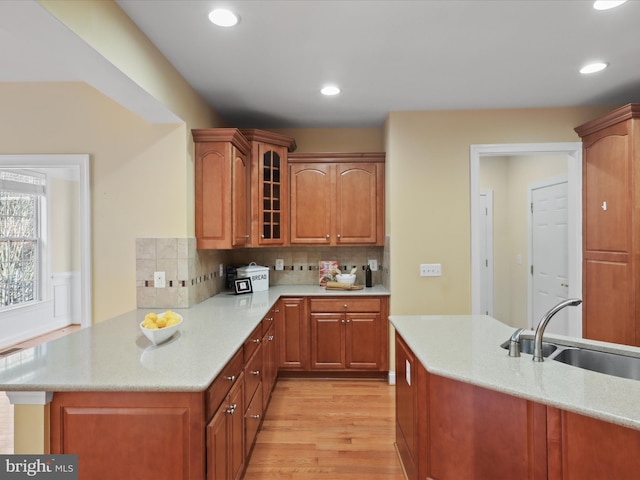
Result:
x=342 y=286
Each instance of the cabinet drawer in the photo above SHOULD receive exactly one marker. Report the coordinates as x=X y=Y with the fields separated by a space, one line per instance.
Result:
x=252 y=420
x=252 y=376
x=345 y=304
x=268 y=320
x=223 y=383
x=252 y=343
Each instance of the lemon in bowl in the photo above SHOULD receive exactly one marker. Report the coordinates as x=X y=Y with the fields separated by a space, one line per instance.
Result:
x=160 y=327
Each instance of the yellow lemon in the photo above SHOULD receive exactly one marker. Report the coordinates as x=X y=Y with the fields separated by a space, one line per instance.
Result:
x=152 y=326
x=172 y=321
x=161 y=322
x=151 y=316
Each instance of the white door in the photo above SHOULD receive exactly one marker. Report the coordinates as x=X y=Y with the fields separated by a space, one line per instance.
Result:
x=486 y=251
x=549 y=254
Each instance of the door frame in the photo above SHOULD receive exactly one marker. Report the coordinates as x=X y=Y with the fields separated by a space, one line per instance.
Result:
x=489 y=251
x=573 y=152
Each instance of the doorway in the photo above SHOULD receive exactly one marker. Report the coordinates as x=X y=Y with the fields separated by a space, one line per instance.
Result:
x=517 y=312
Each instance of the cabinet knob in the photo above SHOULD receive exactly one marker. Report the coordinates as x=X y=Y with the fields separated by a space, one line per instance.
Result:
x=255 y=372
x=270 y=338
x=346 y=306
x=328 y=236
x=342 y=321
x=262 y=235
x=277 y=310
x=256 y=416
x=338 y=235
x=232 y=409
x=256 y=340
x=232 y=378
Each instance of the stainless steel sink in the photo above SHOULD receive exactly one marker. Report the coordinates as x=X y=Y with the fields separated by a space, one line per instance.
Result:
x=604 y=362
x=526 y=346
x=616 y=364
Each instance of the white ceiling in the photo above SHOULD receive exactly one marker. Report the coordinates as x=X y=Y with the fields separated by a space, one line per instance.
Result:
x=386 y=55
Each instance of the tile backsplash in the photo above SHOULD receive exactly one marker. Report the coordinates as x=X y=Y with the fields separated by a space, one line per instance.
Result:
x=193 y=275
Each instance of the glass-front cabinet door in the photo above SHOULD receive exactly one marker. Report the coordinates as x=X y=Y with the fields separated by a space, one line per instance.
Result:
x=272 y=200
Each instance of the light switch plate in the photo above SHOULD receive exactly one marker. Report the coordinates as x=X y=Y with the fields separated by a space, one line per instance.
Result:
x=221 y=270
x=279 y=264
x=430 y=270
x=373 y=264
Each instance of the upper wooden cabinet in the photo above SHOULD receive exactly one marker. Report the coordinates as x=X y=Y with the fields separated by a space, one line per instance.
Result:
x=269 y=182
x=611 y=226
x=337 y=199
x=222 y=188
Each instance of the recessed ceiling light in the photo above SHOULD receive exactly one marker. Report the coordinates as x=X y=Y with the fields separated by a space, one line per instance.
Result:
x=223 y=17
x=607 y=4
x=593 y=67
x=330 y=90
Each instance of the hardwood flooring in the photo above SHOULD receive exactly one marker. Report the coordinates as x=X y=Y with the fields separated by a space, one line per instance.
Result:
x=327 y=430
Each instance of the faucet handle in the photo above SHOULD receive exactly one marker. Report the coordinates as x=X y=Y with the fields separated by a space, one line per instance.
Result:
x=514 y=343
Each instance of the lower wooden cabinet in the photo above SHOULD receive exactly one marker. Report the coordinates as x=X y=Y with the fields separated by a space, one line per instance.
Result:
x=450 y=430
x=349 y=333
x=225 y=435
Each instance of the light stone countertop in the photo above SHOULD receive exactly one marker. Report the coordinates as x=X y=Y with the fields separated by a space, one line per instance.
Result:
x=467 y=348
x=114 y=355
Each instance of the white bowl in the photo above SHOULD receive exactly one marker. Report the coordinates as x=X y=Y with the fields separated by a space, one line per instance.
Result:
x=160 y=335
x=346 y=278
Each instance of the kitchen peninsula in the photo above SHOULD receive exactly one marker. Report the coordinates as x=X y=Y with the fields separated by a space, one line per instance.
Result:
x=465 y=409
x=133 y=410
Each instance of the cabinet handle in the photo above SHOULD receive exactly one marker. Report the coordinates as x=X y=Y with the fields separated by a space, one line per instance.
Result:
x=231 y=378
x=256 y=340
x=348 y=321
x=257 y=417
x=255 y=372
x=270 y=338
x=277 y=310
x=232 y=409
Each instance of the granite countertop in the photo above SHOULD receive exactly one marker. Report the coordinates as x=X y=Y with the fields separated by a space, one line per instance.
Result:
x=114 y=355
x=467 y=348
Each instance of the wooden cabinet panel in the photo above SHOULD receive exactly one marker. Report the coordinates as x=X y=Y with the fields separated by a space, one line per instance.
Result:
x=582 y=447
x=220 y=387
x=253 y=419
x=221 y=188
x=407 y=426
x=312 y=186
x=608 y=186
x=270 y=187
x=253 y=376
x=293 y=335
x=362 y=340
x=609 y=311
x=100 y=427
x=611 y=226
x=358 y=203
x=269 y=364
x=345 y=304
x=217 y=446
x=337 y=199
x=479 y=433
x=328 y=341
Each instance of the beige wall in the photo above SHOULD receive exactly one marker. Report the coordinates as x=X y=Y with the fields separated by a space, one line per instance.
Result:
x=428 y=193
x=65 y=225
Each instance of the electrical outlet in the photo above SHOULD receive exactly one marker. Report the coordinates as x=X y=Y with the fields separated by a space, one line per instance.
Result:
x=373 y=264
x=279 y=264
x=159 y=280
x=430 y=270
x=221 y=270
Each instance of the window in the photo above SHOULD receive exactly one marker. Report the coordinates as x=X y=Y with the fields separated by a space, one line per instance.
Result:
x=21 y=198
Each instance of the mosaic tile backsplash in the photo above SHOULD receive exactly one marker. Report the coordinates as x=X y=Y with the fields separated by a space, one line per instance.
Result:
x=193 y=275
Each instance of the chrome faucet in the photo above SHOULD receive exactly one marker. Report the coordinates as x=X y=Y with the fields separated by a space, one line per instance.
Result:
x=537 y=342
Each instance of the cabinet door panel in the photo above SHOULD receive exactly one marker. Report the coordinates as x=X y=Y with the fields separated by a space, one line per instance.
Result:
x=363 y=341
x=327 y=341
x=407 y=408
x=213 y=205
x=357 y=203
x=293 y=336
x=607 y=179
x=608 y=313
x=217 y=442
x=236 y=431
x=312 y=189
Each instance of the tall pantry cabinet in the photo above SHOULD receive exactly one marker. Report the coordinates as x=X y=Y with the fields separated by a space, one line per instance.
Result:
x=611 y=226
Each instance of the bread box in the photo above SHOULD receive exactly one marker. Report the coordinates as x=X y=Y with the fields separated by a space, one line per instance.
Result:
x=259 y=276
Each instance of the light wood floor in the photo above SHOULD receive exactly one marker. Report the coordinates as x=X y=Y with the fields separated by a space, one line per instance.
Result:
x=327 y=430
x=6 y=409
